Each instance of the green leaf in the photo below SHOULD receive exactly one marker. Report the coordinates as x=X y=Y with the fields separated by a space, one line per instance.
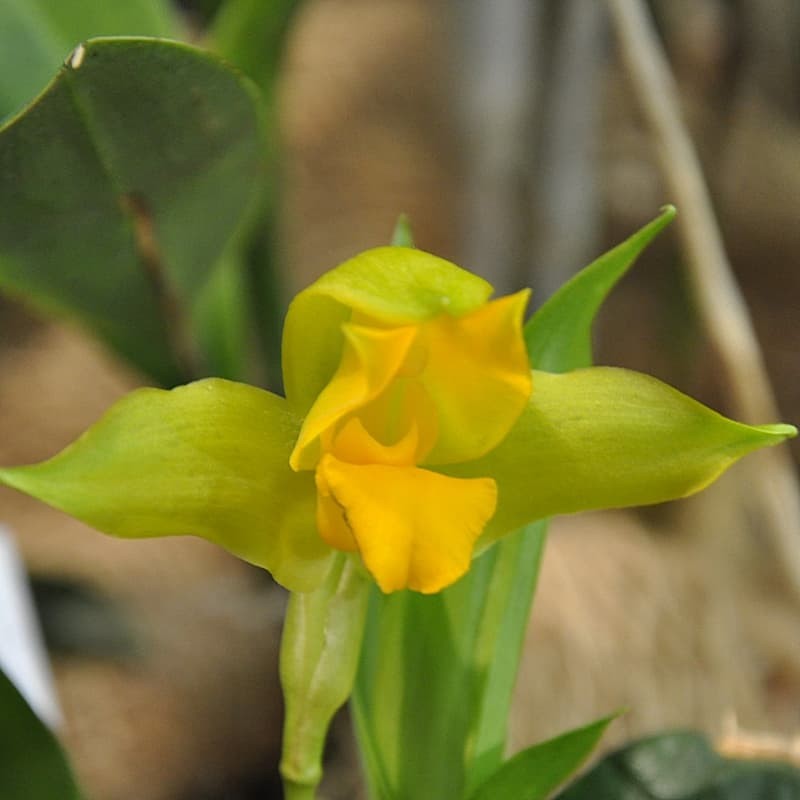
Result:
x=609 y=438
x=559 y=334
x=559 y=338
x=36 y=36
x=210 y=459
x=514 y=573
x=682 y=766
x=120 y=187
x=414 y=697
x=250 y=34
x=222 y=317
x=534 y=773
x=392 y=284
x=460 y=649
x=32 y=764
x=403 y=236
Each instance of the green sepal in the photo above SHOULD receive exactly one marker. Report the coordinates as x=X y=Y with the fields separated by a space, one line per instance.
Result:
x=609 y=438
x=395 y=285
x=209 y=459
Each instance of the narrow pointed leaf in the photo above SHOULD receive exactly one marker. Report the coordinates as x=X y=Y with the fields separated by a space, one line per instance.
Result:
x=535 y=772
x=609 y=438
x=119 y=188
x=32 y=764
x=209 y=459
x=502 y=626
x=558 y=335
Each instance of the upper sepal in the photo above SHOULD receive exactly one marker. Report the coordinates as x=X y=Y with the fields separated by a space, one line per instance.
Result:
x=609 y=438
x=391 y=285
x=209 y=459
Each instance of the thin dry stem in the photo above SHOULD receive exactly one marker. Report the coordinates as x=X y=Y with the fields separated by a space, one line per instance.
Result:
x=721 y=306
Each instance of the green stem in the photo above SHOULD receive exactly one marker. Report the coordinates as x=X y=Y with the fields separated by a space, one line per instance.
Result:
x=319 y=656
x=297 y=791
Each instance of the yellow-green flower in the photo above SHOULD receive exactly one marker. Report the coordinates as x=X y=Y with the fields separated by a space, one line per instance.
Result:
x=413 y=434
x=413 y=389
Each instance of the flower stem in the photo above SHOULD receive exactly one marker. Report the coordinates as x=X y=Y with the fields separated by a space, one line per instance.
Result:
x=298 y=791
x=319 y=656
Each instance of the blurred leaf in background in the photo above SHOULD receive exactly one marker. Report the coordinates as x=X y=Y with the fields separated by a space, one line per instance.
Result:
x=176 y=163
x=37 y=35
x=119 y=189
x=252 y=35
x=32 y=764
x=78 y=619
x=683 y=766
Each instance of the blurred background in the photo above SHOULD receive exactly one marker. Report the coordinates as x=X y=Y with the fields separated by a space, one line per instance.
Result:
x=510 y=135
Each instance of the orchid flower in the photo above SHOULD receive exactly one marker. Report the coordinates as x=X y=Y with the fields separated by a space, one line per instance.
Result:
x=413 y=434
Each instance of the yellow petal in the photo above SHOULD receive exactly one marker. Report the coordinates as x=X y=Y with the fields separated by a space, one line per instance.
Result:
x=371 y=358
x=478 y=376
x=331 y=522
x=355 y=445
x=415 y=529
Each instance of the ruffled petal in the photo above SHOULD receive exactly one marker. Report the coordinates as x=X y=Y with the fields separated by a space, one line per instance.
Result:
x=478 y=377
x=371 y=358
x=414 y=529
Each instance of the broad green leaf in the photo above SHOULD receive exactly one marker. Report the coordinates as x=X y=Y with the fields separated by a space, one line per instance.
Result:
x=609 y=438
x=36 y=36
x=395 y=285
x=559 y=334
x=32 y=764
x=120 y=187
x=534 y=773
x=209 y=459
x=682 y=766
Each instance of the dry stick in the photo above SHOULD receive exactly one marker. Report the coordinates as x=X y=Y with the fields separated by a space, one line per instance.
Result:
x=564 y=197
x=773 y=483
x=497 y=81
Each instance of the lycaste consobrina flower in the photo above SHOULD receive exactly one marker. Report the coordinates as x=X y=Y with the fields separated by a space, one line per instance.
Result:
x=413 y=434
